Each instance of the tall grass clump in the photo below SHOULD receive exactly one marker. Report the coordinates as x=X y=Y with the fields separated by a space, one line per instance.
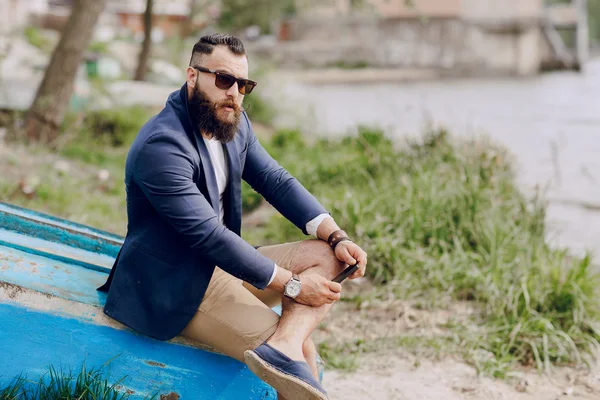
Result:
x=443 y=220
x=87 y=384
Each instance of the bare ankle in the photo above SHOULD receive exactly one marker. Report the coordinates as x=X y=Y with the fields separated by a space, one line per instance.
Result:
x=290 y=349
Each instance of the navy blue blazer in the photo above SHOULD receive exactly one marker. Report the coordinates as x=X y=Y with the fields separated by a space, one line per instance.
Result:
x=174 y=238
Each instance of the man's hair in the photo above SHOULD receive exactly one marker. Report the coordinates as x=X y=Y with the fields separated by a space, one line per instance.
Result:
x=207 y=44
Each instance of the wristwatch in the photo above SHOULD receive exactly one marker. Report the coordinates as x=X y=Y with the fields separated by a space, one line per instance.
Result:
x=293 y=287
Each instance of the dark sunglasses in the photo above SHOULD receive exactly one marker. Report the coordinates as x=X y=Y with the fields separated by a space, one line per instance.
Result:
x=224 y=81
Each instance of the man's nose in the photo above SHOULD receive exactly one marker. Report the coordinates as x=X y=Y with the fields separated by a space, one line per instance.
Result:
x=233 y=91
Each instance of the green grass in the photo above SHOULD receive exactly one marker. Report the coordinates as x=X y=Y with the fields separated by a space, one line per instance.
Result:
x=57 y=384
x=98 y=47
x=35 y=37
x=442 y=221
x=441 y=218
x=258 y=109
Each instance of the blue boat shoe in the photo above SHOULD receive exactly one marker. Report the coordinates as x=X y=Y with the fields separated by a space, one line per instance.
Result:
x=292 y=379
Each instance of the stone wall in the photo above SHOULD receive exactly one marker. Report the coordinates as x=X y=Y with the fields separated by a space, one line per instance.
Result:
x=505 y=10
x=456 y=46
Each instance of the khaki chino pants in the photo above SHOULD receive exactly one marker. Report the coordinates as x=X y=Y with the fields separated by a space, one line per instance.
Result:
x=235 y=316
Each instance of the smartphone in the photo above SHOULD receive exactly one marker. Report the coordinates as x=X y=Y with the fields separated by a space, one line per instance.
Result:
x=346 y=273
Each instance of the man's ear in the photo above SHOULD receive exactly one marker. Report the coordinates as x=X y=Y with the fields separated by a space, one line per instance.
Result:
x=191 y=76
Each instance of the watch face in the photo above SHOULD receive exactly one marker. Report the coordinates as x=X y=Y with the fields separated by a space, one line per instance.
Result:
x=293 y=288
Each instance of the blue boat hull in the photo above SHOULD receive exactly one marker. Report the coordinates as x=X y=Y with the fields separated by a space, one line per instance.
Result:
x=51 y=315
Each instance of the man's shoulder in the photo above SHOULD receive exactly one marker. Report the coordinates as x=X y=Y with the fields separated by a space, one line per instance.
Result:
x=162 y=128
x=158 y=140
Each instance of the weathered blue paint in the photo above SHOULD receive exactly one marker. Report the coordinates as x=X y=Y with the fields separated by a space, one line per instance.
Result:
x=54 y=231
x=49 y=276
x=56 y=251
x=32 y=340
x=46 y=219
x=50 y=256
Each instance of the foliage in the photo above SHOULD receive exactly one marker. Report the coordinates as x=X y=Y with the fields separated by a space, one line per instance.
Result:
x=258 y=109
x=35 y=37
x=443 y=220
x=116 y=126
x=98 y=47
x=593 y=16
x=240 y=14
x=86 y=385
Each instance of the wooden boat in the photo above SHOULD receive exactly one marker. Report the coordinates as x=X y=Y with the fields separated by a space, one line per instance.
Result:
x=51 y=315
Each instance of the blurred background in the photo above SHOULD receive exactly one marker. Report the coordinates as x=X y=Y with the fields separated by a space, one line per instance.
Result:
x=456 y=140
x=523 y=72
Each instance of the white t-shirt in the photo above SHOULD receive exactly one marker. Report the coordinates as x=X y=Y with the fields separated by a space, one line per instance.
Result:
x=217 y=158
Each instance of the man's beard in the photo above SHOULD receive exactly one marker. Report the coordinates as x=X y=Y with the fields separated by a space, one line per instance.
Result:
x=204 y=115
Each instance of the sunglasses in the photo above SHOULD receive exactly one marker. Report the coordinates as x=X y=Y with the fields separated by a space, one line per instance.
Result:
x=224 y=81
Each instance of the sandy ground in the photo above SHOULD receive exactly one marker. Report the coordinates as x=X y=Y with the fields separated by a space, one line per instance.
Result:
x=393 y=372
x=395 y=376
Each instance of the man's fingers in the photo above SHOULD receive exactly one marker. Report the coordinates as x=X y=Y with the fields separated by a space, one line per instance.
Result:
x=362 y=264
x=357 y=274
x=335 y=287
x=362 y=259
x=346 y=257
x=335 y=296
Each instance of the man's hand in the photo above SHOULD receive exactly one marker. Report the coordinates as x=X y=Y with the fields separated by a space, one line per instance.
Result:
x=317 y=290
x=350 y=253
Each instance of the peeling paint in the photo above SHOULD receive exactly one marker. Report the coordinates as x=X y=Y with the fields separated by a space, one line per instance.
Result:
x=48 y=296
x=68 y=342
x=170 y=396
x=155 y=364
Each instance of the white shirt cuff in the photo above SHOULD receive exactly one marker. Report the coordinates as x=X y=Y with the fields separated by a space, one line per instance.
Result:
x=273 y=275
x=313 y=224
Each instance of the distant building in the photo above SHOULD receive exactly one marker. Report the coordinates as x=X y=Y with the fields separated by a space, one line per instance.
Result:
x=120 y=16
x=453 y=37
x=168 y=15
x=480 y=9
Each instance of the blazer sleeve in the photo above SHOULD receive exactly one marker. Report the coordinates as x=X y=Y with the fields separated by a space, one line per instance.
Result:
x=277 y=186
x=164 y=171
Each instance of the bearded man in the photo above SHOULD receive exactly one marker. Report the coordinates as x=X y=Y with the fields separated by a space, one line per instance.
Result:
x=183 y=268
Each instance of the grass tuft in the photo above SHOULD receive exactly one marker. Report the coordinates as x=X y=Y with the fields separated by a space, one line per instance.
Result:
x=87 y=384
x=443 y=220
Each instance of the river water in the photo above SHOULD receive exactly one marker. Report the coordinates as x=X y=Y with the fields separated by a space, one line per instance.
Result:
x=551 y=124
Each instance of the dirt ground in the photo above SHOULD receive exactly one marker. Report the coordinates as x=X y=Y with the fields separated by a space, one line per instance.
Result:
x=399 y=372
x=394 y=376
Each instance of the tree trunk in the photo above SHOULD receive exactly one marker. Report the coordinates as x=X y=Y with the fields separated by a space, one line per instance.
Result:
x=186 y=26
x=54 y=93
x=140 y=73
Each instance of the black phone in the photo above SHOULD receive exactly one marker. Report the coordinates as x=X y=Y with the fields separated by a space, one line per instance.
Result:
x=346 y=273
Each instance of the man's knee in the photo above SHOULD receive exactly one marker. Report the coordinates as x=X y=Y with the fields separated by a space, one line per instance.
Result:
x=317 y=253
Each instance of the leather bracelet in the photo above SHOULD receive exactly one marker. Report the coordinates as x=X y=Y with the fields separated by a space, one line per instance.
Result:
x=336 y=238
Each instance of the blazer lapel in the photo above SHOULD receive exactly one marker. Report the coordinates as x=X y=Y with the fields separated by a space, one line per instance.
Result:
x=181 y=109
x=235 y=192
